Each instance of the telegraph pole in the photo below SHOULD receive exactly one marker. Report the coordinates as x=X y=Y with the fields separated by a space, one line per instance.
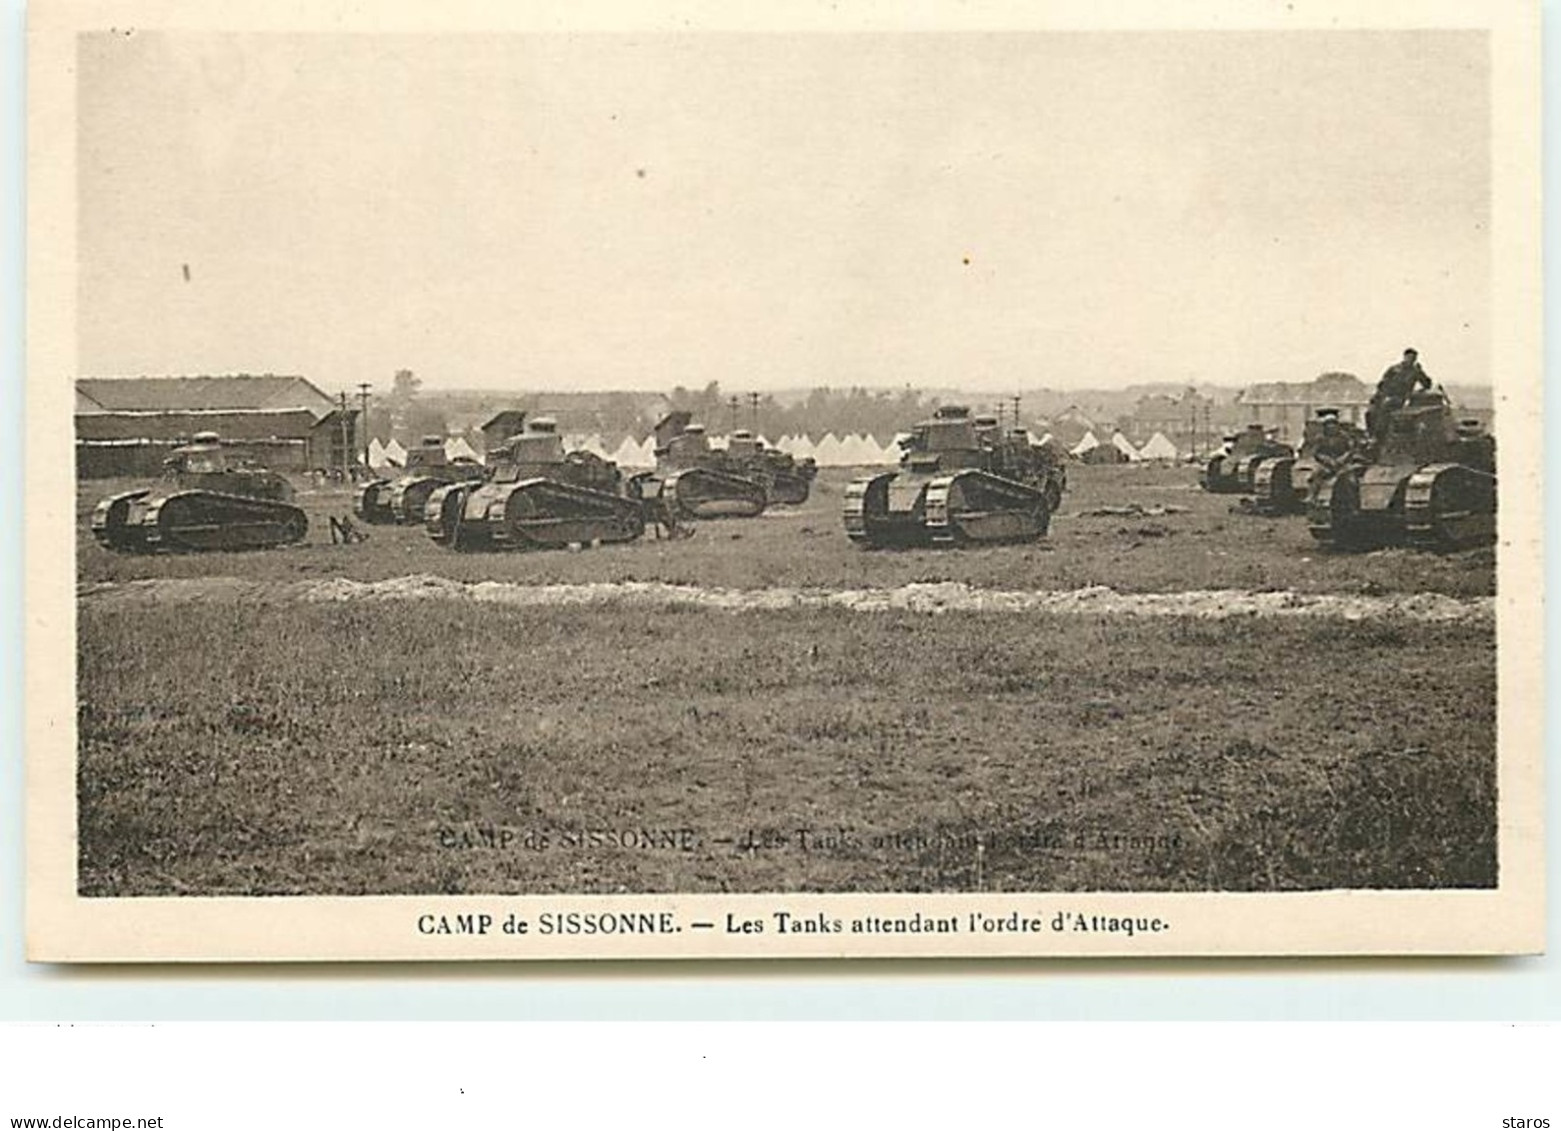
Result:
x=1015 y=401
x=732 y=404
x=753 y=404
x=363 y=418
x=346 y=443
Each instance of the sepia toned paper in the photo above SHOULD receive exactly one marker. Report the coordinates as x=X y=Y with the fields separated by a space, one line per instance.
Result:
x=953 y=200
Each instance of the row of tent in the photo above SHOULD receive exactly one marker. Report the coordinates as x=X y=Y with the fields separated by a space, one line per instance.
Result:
x=1157 y=447
x=832 y=451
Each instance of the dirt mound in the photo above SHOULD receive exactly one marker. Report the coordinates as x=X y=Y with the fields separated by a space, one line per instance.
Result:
x=932 y=598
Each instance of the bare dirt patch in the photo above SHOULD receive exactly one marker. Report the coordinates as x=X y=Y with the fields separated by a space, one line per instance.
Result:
x=926 y=597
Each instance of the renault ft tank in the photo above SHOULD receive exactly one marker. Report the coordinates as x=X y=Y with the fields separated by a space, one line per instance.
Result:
x=1431 y=483
x=1230 y=471
x=401 y=500
x=1283 y=484
x=535 y=496
x=691 y=481
x=786 y=480
x=208 y=499
x=956 y=485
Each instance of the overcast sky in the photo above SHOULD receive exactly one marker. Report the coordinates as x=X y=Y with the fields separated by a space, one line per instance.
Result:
x=984 y=211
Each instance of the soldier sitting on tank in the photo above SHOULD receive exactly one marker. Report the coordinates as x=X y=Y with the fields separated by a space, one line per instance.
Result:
x=1333 y=446
x=1397 y=383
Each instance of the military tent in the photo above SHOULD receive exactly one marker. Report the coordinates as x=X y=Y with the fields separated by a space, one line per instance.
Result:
x=858 y=451
x=1158 y=447
x=629 y=453
x=1122 y=444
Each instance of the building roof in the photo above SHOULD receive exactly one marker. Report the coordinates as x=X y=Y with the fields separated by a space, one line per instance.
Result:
x=296 y=423
x=239 y=393
x=1329 y=388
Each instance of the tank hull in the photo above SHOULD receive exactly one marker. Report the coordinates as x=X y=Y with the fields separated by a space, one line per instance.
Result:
x=1235 y=473
x=530 y=514
x=401 y=501
x=194 y=520
x=1439 y=506
x=904 y=508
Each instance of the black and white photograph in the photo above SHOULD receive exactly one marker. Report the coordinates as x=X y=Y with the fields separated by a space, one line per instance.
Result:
x=829 y=488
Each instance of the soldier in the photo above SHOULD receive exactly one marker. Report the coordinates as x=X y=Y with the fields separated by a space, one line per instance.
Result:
x=1397 y=383
x=1333 y=446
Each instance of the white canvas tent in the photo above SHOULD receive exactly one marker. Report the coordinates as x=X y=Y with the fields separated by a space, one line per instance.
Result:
x=1087 y=444
x=395 y=454
x=1158 y=447
x=855 y=451
x=456 y=447
x=828 y=451
x=629 y=453
x=376 y=453
x=1122 y=444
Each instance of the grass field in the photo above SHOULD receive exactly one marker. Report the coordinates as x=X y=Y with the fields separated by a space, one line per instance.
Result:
x=236 y=745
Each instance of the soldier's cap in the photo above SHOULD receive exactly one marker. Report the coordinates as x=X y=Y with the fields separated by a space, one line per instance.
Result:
x=1326 y=414
x=1411 y=352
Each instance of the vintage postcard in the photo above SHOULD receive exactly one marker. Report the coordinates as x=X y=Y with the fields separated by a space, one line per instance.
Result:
x=662 y=481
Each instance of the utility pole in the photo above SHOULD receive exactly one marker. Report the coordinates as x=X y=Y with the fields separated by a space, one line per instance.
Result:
x=363 y=417
x=753 y=404
x=1015 y=400
x=732 y=404
x=346 y=443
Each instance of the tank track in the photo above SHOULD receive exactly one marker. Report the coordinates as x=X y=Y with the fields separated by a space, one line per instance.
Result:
x=374 y=502
x=1273 y=487
x=195 y=520
x=790 y=490
x=855 y=508
x=408 y=497
x=1448 y=506
x=532 y=514
x=698 y=492
x=1333 y=514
